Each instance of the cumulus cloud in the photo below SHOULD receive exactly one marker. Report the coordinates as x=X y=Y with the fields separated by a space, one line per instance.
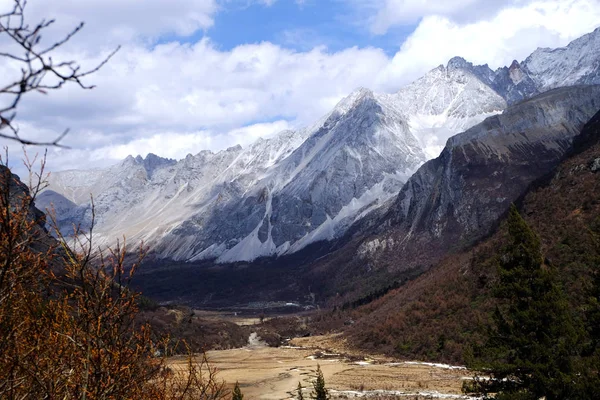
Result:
x=512 y=33
x=174 y=97
x=185 y=87
x=384 y=14
x=111 y=22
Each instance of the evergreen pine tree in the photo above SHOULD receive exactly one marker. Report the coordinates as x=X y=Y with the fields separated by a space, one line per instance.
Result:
x=591 y=366
x=237 y=393
x=300 y=395
x=533 y=341
x=319 y=390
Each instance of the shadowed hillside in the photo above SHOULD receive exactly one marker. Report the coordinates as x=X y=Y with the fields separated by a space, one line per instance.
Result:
x=437 y=314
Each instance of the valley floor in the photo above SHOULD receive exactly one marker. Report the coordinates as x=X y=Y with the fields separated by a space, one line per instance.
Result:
x=273 y=373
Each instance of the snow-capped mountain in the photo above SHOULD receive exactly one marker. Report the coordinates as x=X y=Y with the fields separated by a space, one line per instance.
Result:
x=276 y=196
x=455 y=199
x=281 y=194
x=446 y=101
x=545 y=69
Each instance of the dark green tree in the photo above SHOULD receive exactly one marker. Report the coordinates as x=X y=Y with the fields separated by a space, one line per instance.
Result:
x=300 y=396
x=237 y=393
x=591 y=366
x=319 y=390
x=534 y=341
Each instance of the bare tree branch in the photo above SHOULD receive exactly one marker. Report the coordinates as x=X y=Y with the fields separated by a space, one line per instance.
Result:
x=39 y=72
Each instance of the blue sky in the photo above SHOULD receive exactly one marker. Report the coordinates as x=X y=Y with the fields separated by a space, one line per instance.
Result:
x=330 y=23
x=209 y=74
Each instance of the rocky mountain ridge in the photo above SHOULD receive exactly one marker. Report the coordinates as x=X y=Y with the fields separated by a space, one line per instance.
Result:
x=545 y=69
x=459 y=195
x=456 y=199
x=284 y=193
x=449 y=204
x=432 y=317
x=275 y=197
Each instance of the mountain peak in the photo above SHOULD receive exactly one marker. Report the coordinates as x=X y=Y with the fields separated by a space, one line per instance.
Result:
x=129 y=160
x=364 y=91
x=542 y=50
x=322 y=178
x=150 y=163
x=459 y=63
x=152 y=156
x=574 y=64
x=235 y=148
x=361 y=93
x=353 y=99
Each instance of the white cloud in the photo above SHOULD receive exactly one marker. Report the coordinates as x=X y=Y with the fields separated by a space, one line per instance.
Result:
x=512 y=33
x=198 y=87
x=384 y=14
x=111 y=22
x=175 y=98
x=94 y=149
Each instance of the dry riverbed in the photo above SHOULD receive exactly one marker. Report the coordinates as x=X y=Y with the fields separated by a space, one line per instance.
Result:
x=273 y=373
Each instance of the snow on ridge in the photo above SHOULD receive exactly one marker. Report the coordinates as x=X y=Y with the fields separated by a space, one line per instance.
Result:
x=567 y=65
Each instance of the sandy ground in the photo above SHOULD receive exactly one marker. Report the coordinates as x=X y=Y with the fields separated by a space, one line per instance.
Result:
x=236 y=318
x=273 y=373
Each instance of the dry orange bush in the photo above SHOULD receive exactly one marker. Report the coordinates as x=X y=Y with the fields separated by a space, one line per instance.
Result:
x=67 y=318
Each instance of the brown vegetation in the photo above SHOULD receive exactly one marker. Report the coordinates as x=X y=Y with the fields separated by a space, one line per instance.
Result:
x=187 y=329
x=438 y=315
x=68 y=325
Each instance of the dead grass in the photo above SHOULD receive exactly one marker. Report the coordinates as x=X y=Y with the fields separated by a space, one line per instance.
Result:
x=274 y=373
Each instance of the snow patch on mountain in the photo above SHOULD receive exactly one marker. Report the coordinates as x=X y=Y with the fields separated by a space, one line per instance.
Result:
x=251 y=247
x=280 y=194
x=373 y=198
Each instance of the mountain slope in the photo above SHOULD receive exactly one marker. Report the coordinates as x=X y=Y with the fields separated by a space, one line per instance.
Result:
x=438 y=315
x=576 y=64
x=446 y=101
x=455 y=199
x=450 y=203
x=275 y=197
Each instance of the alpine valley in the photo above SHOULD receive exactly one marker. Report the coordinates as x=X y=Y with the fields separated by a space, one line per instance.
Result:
x=376 y=192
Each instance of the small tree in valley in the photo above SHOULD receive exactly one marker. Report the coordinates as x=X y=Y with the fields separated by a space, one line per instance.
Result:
x=237 y=392
x=300 y=396
x=319 y=390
